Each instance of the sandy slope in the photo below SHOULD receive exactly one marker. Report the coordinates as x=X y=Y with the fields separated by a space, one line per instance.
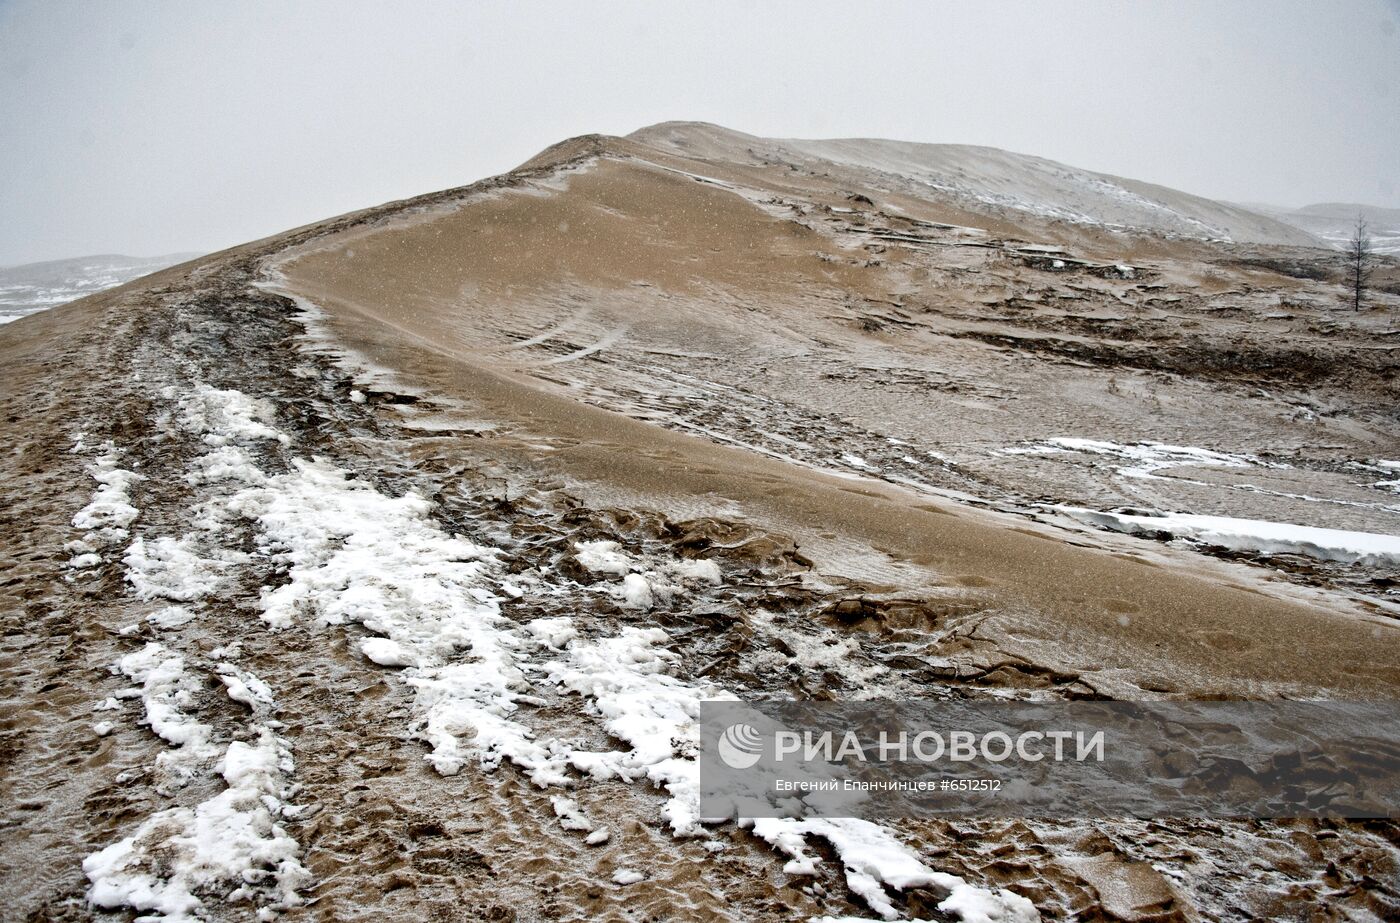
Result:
x=789 y=369
x=666 y=265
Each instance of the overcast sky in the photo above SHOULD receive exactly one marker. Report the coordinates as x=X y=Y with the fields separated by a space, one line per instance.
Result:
x=147 y=128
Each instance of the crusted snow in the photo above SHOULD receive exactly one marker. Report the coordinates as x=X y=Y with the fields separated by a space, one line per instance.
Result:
x=388 y=653
x=700 y=570
x=224 y=463
x=224 y=415
x=571 y=816
x=636 y=592
x=245 y=688
x=817 y=648
x=874 y=859
x=603 y=557
x=355 y=555
x=170 y=617
x=552 y=632
x=624 y=678
x=1390 y=467
x=855 y=461
x=645 y=583
x=232 y=845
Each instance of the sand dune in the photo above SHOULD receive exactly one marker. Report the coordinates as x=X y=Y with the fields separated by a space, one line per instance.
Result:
x=354 y=544
x=670 y=265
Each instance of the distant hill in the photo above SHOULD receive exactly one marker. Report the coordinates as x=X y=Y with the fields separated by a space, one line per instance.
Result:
x=33 y=287
x=988 y=180
x=1335 y=222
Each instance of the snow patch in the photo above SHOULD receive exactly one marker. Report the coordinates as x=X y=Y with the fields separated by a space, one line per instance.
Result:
x=603 y=557
x=874 y=859
x=636 y=592
x=1144 y=459
x=169 y=568
x=701 y=570
x=231 y=846
x=818 y=648
x=245 y=688
x=387 y=653
x=552 y=632
x=571 y=817
x=353 y=554
x=224 y=415
x=645 y=582
x=225 y=463
x=625 y=680
x=170 y=617
x=109 y=514
x=167 y=691
x=855 y=461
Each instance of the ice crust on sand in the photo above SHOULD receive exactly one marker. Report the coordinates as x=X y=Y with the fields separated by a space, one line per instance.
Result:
x=1144 y=459
x=1253 y=535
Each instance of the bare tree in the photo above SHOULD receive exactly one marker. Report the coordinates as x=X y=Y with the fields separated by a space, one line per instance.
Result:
x=1359 y=263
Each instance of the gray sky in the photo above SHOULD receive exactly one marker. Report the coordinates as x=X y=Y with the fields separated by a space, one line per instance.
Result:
x=147 y=128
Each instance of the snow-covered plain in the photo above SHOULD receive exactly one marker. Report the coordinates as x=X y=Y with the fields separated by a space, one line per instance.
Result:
x=37 y=286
